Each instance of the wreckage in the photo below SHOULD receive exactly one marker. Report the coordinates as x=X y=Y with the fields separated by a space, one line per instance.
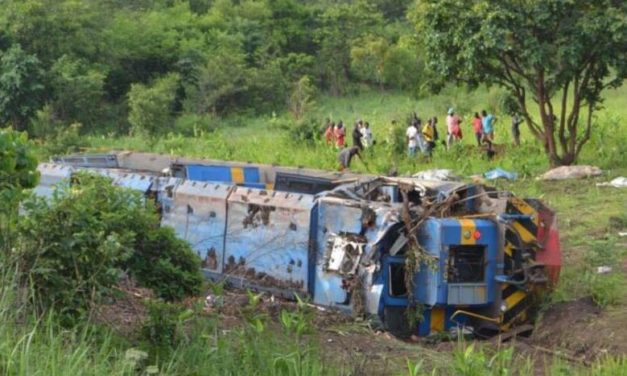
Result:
x=422 y=256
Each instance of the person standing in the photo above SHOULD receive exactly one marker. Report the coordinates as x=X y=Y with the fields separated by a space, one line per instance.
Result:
x=366 y=135
x=329 y=135
x=411 y=133
x=357 y=135
x=516 y=120
x=345 y=157
x=487 y=126
x=453 y=129
x=339 y=133
x=477 y=127
x=428 y=133
x=420 y=141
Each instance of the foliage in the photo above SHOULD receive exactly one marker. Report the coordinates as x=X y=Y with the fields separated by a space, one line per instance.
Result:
x=75 y=247
x=163 y=328
x=151 y=106
x=548 y=52
x=17 y=173
x=78 y=90
x=165 y=263
x=21 y=86
x=17 y=161
x=302 y=98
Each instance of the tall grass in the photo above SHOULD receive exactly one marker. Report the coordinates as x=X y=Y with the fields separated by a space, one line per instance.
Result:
x=32 y=345
x=39 y=346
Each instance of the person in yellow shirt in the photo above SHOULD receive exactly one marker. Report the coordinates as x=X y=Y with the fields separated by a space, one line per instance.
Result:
x=428 y=132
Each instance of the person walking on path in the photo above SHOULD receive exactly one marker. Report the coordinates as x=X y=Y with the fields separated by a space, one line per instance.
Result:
x=452 y=127
x=516 y=120
x=477 y=127
x=345 y=157
x=488 y=127
x=411 y=134
x=339 y=133
x=357 y=135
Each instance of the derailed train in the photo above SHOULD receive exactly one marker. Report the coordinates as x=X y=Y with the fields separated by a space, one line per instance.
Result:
x=482 y=258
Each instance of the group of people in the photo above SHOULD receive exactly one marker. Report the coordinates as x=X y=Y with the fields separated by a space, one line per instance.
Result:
x=420 y=137
x=424 y=137
x=335 y=134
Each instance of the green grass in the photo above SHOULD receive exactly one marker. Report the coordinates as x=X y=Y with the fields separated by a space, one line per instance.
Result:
x=584 y=213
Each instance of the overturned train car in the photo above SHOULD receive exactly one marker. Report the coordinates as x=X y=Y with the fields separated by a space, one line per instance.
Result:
x=458 y=255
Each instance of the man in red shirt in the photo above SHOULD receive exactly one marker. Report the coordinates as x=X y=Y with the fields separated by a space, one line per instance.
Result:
x=477 y=127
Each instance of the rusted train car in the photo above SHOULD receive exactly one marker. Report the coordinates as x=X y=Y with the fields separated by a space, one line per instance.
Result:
x=459 y=255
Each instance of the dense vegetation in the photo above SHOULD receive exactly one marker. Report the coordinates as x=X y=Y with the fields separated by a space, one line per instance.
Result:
x=153 y=65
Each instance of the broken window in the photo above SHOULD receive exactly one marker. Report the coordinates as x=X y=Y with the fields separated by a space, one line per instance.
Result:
x=466 y=264
x=398 y=287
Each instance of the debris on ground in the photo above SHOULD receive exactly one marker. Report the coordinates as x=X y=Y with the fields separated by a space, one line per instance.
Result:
x=571 y=172
x=619 y=182
x=125 y=312
x=499 y=173
x=604 y=269
x=437 y=174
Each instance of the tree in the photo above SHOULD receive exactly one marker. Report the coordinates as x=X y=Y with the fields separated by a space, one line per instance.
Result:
x=21 y=87
x=78 y=89
x=560 y=54
x=368 y=59
x=302 y=98
x=151 y=106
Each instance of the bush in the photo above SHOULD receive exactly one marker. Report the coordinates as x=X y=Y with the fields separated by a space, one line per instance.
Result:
x=151 y=106
x=166 y=264
x=75 y=247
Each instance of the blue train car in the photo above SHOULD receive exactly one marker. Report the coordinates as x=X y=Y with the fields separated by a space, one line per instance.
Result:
x=455 y=255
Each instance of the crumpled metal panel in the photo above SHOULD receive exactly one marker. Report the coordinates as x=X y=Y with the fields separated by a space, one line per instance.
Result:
x=51 y=175
x=198 y=214
x=335 y=217
x=268 y=237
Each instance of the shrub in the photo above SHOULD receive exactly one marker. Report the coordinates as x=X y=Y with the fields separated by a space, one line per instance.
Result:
x=75 y=247
x=165 y=263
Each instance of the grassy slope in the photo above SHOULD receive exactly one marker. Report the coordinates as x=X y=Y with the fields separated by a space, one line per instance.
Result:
x=583 y=209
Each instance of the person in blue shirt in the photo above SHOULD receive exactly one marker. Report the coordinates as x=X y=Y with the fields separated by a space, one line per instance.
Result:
x=487 y=123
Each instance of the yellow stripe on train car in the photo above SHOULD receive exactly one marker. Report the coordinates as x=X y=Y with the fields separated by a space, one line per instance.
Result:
x=468 y=228
x=437 y=319
x=512 y=300
x=237 y=175
x=270 y=186
x=525 y=235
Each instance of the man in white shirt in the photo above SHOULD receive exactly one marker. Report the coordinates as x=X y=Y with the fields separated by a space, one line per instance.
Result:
x=412 y=133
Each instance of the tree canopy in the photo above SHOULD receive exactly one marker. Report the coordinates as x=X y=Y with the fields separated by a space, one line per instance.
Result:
x=100 y=61
x=558 y=54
